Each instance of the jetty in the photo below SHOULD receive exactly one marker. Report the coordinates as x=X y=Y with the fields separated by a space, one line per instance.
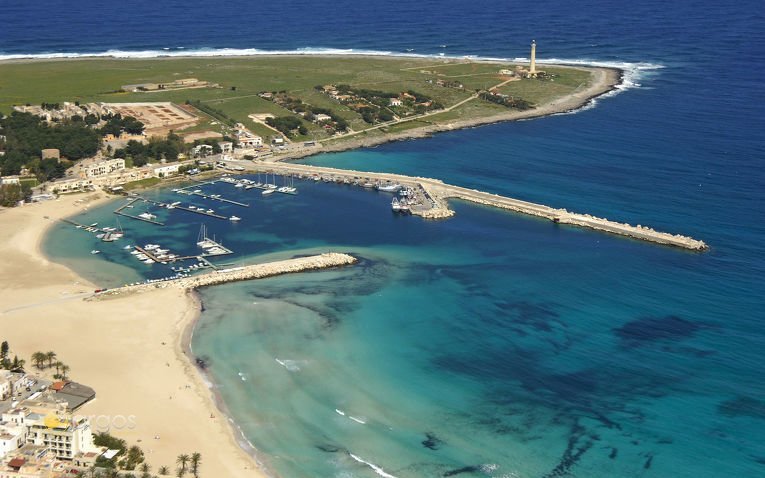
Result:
x=131 y=203
x=247 y=272
x=195 y=210
x=187 y=190
x=433 y=195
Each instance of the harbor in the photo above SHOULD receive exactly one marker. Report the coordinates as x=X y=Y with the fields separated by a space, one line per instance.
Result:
x=428 y=198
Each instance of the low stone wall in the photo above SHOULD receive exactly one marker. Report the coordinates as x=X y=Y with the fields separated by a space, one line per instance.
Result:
x=255 y=271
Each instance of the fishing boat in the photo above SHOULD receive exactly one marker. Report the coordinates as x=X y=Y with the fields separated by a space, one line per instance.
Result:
x=389 y=188
x=234 y=219
x=395 y=205
x=368 y=185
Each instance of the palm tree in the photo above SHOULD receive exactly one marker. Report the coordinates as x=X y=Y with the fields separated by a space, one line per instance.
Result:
x=163 y=470
x=145 y=468
x=64 y=369
x=196 y=460
x=38 y=359
x=49 y=356
x=182 y=460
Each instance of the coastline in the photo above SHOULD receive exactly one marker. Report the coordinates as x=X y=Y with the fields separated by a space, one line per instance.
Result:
x=607 y=80
x=129 y=349
x=223 y=442
x=194 y=312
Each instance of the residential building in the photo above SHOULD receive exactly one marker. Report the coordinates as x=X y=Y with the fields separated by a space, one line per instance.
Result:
x=65 y=435
x=202 y=150
x=322 y=117
x=250 y=142
x=5 y=385
x=102 y=168
x=12 y=437
x=165 y=171
x=395 y=102
x=228 y=146
x=5 y=180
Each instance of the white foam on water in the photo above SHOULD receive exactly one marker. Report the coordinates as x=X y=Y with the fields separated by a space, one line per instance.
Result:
x=376 y=468
x=340 y=412
x=357 y=420
x=291 y=365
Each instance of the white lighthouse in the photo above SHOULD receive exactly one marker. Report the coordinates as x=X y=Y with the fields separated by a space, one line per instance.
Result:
x=533 y=65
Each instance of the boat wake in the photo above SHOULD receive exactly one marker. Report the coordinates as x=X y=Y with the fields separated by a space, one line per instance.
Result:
x=376 y=468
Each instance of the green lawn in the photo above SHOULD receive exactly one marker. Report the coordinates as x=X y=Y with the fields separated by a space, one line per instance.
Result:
x=241 y=79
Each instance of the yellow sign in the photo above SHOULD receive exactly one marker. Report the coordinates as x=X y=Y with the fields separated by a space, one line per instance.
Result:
x=52 y=420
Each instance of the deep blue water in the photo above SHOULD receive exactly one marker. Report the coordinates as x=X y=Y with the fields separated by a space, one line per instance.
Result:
x=490 y=341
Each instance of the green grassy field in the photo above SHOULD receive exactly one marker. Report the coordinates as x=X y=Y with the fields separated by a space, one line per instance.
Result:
x=241 y=79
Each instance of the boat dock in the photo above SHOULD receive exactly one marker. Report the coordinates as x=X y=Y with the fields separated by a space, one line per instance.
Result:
x=183 y=208
x=131 y=216
x=432 y=195
x=196 y=192
x=248 y=184
x=80 y=226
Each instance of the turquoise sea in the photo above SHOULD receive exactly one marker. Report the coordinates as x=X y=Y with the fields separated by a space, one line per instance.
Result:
x=490 y=344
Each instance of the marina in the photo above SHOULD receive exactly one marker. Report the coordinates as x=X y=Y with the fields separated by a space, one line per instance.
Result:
x=193 y=190
x=267 y=188
x=144 y=216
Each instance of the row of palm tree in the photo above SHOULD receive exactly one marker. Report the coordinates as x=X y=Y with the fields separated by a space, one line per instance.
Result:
x=43 y=360
x=188 y=464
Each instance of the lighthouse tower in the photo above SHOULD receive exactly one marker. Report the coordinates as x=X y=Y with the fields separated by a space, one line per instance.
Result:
x=533 y=65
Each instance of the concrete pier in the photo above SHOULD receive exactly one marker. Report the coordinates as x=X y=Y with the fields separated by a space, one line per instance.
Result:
x=437 y=194
x=255 y=271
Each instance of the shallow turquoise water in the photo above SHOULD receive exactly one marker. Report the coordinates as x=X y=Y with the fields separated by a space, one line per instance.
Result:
x=491 y=344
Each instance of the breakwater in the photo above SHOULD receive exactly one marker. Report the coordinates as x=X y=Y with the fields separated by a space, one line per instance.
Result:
x=248 y=272
x=436 y=193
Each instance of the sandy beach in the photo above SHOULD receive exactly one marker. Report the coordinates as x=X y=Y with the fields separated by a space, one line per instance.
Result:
x=129 y=349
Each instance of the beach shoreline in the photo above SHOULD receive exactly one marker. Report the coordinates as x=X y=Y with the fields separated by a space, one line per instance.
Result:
x=129 y=349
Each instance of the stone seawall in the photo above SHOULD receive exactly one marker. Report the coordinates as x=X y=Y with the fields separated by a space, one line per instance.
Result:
x=439 y=193
x=255 y=271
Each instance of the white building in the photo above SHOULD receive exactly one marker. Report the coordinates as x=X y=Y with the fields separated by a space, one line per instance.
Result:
x=9 y=180
x=5 y=385
x=227 y=146
x=102 y=168
x=322 y=117
x=12 y=437
x=202 y=150
x=251 y=142
x=64 y=435
x=165 y=171
x=395 y=102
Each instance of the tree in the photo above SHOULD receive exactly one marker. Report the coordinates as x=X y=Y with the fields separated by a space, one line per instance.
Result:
x=64 y=369
x=58 y=365
x=50 y=356
x=163 y=470
x=182 y=461
x=196 y=462
x=4 y=348
x=38 y=360
x=18 y=364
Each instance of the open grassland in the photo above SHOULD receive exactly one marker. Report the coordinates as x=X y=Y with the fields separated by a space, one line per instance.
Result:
x=241 y=79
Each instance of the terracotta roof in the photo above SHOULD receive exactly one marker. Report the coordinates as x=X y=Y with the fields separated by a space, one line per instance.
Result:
x=57 y=386
x=16 y=463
